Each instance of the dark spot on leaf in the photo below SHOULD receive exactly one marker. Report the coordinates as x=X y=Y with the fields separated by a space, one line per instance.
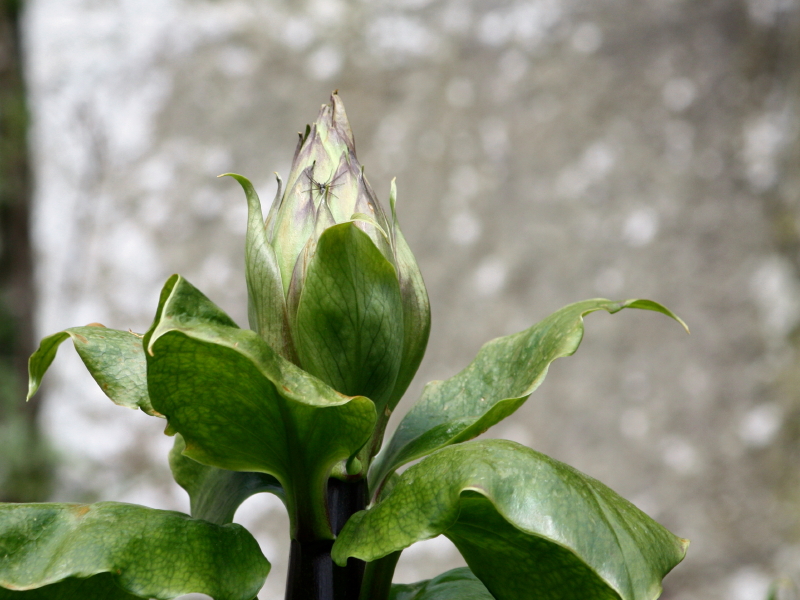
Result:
x=81 y=339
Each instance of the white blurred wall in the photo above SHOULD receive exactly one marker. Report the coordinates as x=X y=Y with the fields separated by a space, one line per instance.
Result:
x=546 y=151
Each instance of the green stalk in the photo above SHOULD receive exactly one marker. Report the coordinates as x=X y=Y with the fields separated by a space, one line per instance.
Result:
x=378 y=574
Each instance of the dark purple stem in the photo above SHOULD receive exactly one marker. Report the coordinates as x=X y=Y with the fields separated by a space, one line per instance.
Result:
x=312 y=573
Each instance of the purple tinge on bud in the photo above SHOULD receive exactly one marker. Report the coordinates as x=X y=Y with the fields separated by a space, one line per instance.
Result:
x=327 y=187
x=325 y=171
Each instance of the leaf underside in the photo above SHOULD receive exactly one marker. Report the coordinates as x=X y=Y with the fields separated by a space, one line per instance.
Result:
x=98 y=587
x=456 y=584
x=527 y=525
x=144 y=552
x=215 y=493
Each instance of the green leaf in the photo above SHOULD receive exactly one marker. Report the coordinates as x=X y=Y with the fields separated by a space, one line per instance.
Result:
x=456 y=584
x=149 y=553
x=266 y=304
x=349 y=325
x=502 y=376
x=525 y=523
x=214 y=493
x=114 y=358
x=416 y=307
x=98 y=587
x=242 y=407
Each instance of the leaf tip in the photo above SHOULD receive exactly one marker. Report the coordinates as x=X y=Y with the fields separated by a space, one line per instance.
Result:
x=33 y=383
x=651 y=305
x=240 y=178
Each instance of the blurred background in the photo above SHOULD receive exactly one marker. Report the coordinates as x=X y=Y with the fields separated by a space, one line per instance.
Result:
x=546 y=151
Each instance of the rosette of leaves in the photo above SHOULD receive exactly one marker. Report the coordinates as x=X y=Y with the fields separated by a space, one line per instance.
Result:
x=297 y=406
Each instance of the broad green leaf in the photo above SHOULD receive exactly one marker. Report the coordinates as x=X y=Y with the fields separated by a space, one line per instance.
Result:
x=148 y=553
x=502 y=376
x=349 y=325
x=242 y=407
x=214 y=493
x=457 y=584
x=266 y=304
x=98 y=587
x=416 y=307
x=114 y=358
x=525 y=523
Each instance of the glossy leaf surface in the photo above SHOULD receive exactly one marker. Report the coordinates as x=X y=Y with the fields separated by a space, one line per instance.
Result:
x=502 y=376
x=149 y=553
x=242 y=407
x=349 y=325
x=215 y=493
x=114 y=358
x=525 y=523
x=457 y=584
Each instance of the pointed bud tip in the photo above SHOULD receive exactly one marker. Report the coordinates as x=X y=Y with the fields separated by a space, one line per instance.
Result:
x=334 y=116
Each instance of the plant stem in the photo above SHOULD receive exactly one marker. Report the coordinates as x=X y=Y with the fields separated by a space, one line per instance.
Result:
x=377 y=580
x=312 y=573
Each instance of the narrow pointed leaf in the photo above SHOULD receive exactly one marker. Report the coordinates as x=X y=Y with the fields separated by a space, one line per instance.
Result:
x=416 y=308
x=214 y=493
x=114 y=358
x=242 y=407
x=266 y=306
x=525 y=523
x=456 y=584
x=148 y=553
x=502 y=376
x=349 y=325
